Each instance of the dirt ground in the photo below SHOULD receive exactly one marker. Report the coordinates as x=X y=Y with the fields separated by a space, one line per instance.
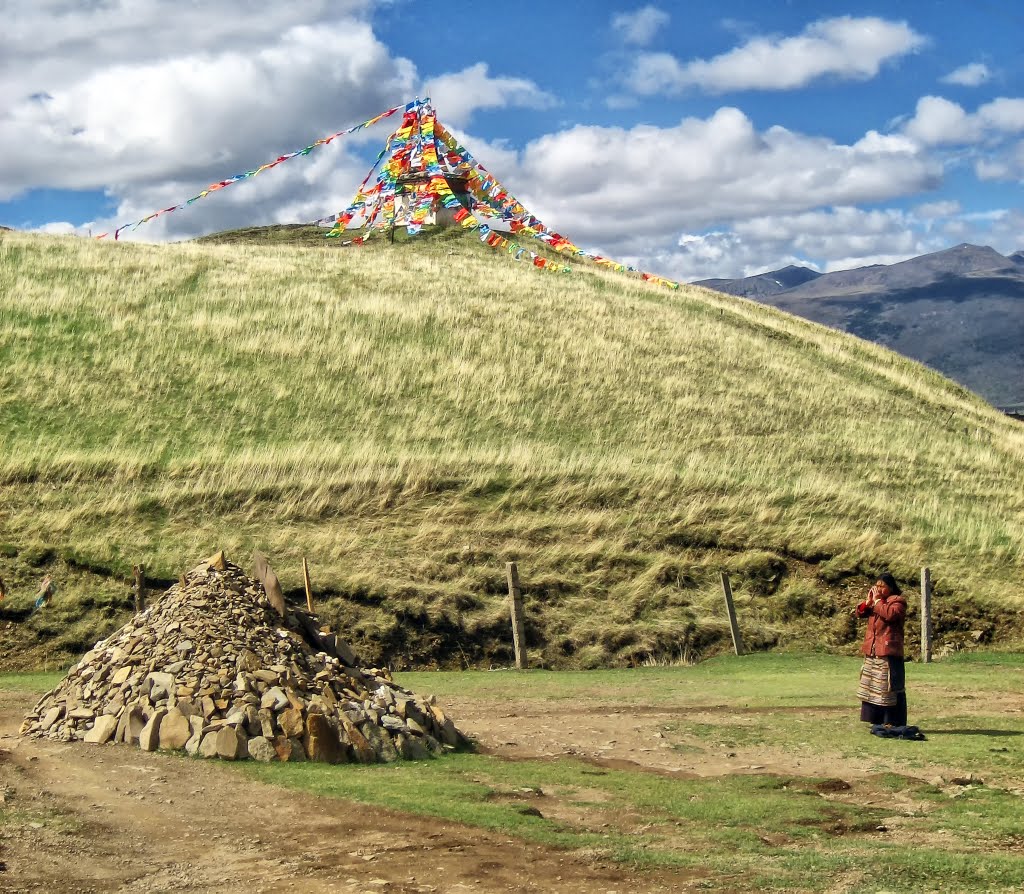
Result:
x=119 y=819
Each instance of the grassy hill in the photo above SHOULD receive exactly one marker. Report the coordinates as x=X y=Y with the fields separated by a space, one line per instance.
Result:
x=412 y=416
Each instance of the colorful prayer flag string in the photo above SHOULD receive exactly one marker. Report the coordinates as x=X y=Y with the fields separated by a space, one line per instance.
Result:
x=221 y=184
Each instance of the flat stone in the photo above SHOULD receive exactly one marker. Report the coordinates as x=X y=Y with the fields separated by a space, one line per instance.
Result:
x=291 y=722
x=51 y=717
x=231 y=743
x=161 y=685
x=175 y=730
x=174 y=667
x=274 y=699
x=266 y=676
x=121 y=675
x=262 y=749
x=103 y=730
x=149 y=738
x=266 y=723
x=185 y=646
x=81 y=714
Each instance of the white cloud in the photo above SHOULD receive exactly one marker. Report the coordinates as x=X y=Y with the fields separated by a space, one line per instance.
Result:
x=937 y=121
x=198 y=115
x=640 y=27
x=154 y=99
x=1007 y=165
x=973 y=75
x=931 y=210
x=458 y=94
x=847 y=48
x=830 y=239
x=648 y=183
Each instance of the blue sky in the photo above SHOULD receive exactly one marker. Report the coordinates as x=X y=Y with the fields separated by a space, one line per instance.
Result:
x=695 y=140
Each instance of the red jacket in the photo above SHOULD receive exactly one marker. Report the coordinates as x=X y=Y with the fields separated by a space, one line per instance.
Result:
x=884 y=636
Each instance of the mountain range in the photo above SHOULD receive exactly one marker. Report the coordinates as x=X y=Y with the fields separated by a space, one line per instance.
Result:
x=959 y=311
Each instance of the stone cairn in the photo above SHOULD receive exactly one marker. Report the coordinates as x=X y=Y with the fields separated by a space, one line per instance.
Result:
x=215 y=669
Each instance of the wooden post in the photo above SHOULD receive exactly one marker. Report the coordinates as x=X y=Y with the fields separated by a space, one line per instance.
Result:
x=309 y=586
x=737 y=640
x=518 y=617
x=139 y=588
x=926 y=615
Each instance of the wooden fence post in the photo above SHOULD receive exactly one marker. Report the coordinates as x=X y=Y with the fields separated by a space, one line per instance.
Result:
x=139 y=587
x=518 y=616
x=308 y=585
x=926 y=615
x=737 y=640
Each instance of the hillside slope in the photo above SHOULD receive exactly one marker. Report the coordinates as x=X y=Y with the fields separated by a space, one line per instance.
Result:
x=411 y=417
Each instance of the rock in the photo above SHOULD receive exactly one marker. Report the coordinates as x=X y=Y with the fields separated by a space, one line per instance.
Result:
x=175 y=730
x=266 y=723
x=149 y=738
x=321 y=740
x=291 y=723
x=380 y=742
x=361 y=748
x=103 y=730
x=231 y=743
x=213 y=653
x=51 y=717
x=130 y=726
x=262 y=749
x=208 y=745
x=218 y=561
x=274 y=699
x=161 y=685
x=411 y=748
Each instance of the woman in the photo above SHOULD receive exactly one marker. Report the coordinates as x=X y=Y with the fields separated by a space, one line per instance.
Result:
x=881 y=690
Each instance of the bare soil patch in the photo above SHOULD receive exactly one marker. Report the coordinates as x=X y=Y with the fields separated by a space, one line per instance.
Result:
x=84 y=818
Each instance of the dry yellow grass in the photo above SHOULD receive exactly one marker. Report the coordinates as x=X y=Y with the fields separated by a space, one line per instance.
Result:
x=411 y=416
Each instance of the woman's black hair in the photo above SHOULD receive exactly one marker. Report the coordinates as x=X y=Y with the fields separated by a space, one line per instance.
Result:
x=890 y=582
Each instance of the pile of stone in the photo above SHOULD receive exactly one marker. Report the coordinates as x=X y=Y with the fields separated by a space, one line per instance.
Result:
x=218 y=669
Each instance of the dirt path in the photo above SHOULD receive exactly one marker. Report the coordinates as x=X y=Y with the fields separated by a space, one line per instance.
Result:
x=88 y=819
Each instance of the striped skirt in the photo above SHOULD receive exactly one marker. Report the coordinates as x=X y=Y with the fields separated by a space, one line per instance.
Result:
x=877 y=686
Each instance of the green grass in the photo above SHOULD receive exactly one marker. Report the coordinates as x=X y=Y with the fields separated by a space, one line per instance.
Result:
x=750 y=831
x=412 y=416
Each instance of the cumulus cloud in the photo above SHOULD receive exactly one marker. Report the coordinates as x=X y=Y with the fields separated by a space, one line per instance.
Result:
x=459 y=94
x=640 y=27
x=938 y=121
x=649 y=183
x=831 y=239
x=847 y=48
x=973 y=75
x=822 y=239
x=153 y=99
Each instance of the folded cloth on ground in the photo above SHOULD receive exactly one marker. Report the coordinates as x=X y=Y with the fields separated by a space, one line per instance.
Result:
x=898 y=732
